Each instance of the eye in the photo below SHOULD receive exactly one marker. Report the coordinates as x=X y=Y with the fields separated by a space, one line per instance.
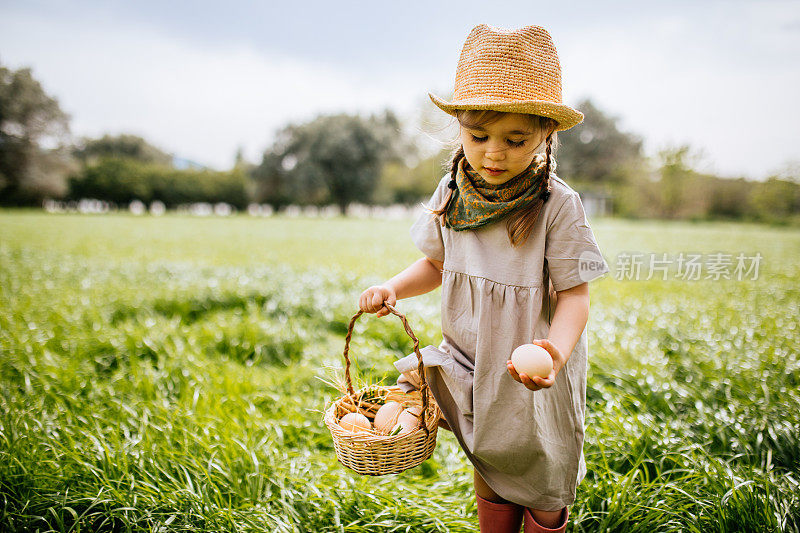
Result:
x=516 y=144
x=478 y=139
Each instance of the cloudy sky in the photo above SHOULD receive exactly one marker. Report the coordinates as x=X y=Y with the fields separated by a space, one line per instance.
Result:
x=201 y=78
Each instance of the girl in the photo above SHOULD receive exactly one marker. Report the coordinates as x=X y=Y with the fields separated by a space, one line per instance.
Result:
x=509 y=242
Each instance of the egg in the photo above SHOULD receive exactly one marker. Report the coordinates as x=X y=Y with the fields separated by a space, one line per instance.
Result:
x=387 y=416
x=532 y=360
x=407 y=421
x=355 y=422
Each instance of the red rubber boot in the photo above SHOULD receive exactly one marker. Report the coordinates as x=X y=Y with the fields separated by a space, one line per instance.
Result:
x=532 y=526
x=498 y=517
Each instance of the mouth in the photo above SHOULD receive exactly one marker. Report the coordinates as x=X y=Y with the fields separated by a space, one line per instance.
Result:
x=493 y=171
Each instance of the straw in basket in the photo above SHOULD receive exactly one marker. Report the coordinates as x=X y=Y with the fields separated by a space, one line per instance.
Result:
x=373 y=453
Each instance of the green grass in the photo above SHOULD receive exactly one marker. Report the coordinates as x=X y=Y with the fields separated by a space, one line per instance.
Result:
x=169 y=374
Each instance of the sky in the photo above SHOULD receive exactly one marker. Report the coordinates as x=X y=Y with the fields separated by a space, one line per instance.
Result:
x=201 y=79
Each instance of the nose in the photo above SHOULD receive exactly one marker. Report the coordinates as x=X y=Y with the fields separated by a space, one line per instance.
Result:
x=495 y=153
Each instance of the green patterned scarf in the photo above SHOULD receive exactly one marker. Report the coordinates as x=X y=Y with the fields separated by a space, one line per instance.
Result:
x=476 y=202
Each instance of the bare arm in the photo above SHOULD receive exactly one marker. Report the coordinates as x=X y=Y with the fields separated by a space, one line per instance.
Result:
x=569 y=319
x=423 y=275
x=420 y=277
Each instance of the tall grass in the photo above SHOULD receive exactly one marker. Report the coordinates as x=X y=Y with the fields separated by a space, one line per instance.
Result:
x=170 y=374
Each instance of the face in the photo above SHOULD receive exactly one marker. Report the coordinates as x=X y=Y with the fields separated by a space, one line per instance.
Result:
x=501 y=150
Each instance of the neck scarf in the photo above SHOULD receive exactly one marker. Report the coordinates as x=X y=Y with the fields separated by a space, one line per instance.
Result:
x=477 y=202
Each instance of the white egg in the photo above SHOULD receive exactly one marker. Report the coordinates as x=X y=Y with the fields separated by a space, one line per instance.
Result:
x=387 y=416
x=532 y=360
x=355 y=422
x=408 y=420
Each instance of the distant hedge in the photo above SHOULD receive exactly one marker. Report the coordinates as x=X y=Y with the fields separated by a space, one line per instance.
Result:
x=123 y=180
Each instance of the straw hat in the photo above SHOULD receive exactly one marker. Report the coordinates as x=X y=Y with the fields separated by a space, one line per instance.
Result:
x=515 y=71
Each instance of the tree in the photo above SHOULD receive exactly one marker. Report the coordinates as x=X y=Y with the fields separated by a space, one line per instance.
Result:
x=775 y=200
x=410 y=185
x=789 y=172
x=595 y=151
x=121 y=180
x=272 y=184
x=332 y=159
x=120 y=146
x=29 y=120
x=674 y=173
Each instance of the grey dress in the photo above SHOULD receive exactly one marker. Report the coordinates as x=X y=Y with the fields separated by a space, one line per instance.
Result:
x=527 y=445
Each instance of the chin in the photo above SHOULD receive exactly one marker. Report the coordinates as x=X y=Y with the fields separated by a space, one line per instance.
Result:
x=495 y=180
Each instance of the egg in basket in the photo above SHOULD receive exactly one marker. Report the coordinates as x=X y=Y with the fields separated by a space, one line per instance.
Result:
x=379 y=429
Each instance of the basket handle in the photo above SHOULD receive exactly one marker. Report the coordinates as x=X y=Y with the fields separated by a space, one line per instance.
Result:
x=424 y=389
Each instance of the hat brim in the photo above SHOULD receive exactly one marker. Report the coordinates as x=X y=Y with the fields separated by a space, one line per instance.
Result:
x=563 y=114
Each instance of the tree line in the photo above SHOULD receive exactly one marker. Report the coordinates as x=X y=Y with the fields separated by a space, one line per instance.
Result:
x=341 y=159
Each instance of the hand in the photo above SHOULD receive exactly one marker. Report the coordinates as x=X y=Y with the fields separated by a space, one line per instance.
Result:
x=535 y=382
x=372 y=299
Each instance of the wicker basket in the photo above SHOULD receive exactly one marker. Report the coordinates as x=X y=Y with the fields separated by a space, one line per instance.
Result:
x=373 y=453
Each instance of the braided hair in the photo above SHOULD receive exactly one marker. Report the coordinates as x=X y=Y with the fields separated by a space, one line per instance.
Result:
x=520 y=222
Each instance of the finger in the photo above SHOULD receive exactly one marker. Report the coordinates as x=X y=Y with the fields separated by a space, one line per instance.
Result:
x=549 y=381
x=528 y=382
x=377 y=300
x=513 y=371
x=391 y=300
x=368 y=307
x=547 y=345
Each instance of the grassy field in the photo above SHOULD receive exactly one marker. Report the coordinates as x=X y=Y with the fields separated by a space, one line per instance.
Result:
x=169 y=374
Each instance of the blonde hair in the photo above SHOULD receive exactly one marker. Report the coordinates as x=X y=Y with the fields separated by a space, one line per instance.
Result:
x=520 y=222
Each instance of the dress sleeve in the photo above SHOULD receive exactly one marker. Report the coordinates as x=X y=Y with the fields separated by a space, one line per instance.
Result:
x=571 y=250
x=426 y=234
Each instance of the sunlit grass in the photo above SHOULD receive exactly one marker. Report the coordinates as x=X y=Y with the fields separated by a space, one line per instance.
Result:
x=170 y=374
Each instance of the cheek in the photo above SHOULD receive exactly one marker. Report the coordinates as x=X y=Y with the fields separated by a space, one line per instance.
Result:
x=466 y=141
x=524 y=158
x=471 y=153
